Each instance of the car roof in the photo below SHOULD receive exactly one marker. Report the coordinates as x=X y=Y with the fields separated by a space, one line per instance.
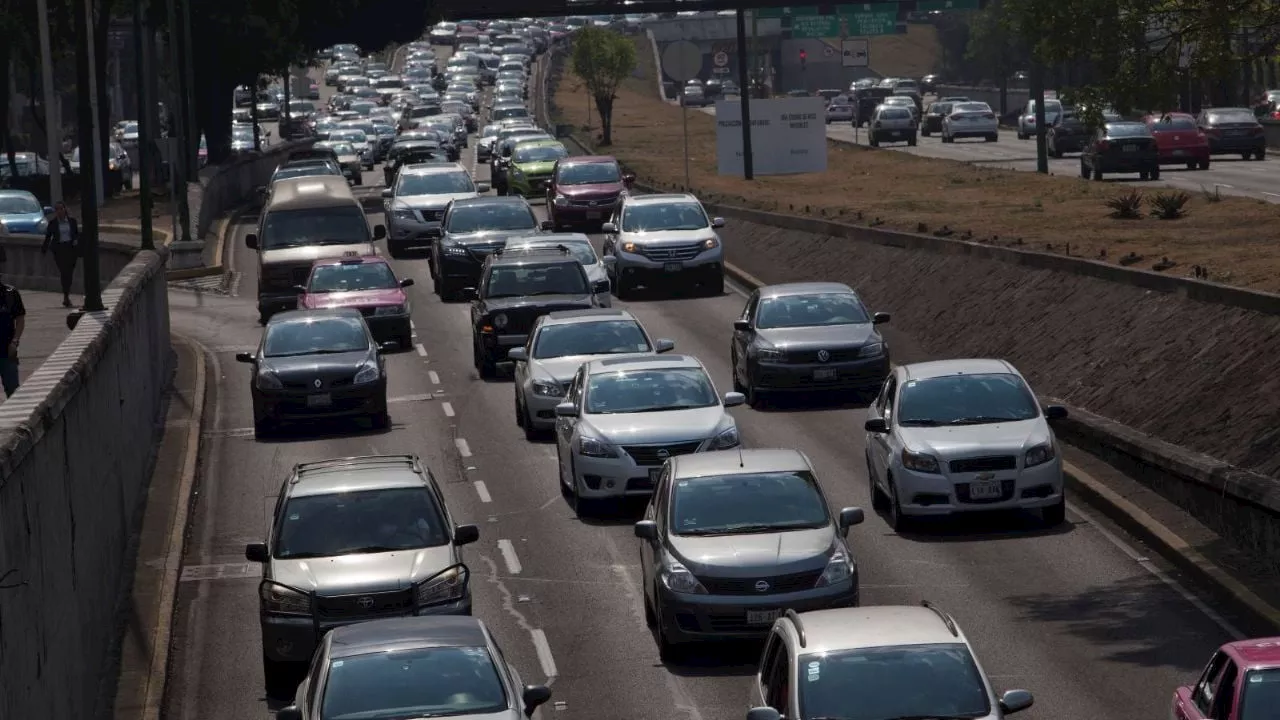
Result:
x=584 y=159
x=491 y=200
x=548 y=239
x=310 y=191
x=537 y=142
x=300 y=315
x=963 y=366
x=18 y=193
x=739 y=462
x=569 y=317
x=433 y=168
x=659 y=198
x=804 y=288
x=407 y=632
x=362 y=260
x=1256 y=652
x=353 y=474
x=528 y=254
x=647 y=362
x=874 y=626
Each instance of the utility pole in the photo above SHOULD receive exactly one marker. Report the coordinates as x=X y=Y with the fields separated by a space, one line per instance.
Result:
x=748 y=167
x=1037 y=96
x=191 y=138
x=142 y=36
x=284 y=111
x=87 y=116
x=96 y=146
x=177 y=141
x=52 y=106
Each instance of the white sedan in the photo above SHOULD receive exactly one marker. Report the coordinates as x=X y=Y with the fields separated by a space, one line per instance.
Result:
x=970 y=120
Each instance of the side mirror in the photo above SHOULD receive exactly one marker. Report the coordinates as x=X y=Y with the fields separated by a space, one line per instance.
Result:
x=300 y=289
x=482 y=188
x=256 y=552
x=662 y=345
x=465 y=535
x=567 y=410
x=759 y=713
x=379 y=232
x=1013 y=701
x=609 y=228
x=470 y=294
x=628 y=179
x=407 y=282
x=518 y=354
x=1055 y=412
x=547 y=225
x=533 y=697
x=717 y=223
x=244 y=357
x=876 y=425
x=261 y=190
x=290 y=713
x=880 y=318
x=742 y=325
x=849 y=517
x=251 y=241
x=734 y=399
x=388 y=346
x=48 y=210
x=647 y=530
x=609 y=261
x=600 y=288
x=388 y=194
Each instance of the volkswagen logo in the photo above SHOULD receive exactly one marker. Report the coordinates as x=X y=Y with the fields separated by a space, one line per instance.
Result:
x=762 y=586
x=365 y=603
x=823 y=356
x=318 y=384
x=664 y=453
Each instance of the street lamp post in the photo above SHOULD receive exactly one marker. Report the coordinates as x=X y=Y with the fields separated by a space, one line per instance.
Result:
x=52 y=105
x=146 y=130
x=178 y=173
x=90 y=160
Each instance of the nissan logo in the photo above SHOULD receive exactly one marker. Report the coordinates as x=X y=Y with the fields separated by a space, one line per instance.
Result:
x=593 y=203
x=823 y=356
x=365 y=603
x=318 y=384
x=664 y=453
x=762 y=586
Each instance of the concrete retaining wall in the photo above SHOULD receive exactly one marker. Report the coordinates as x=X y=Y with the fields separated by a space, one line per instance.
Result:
x=229 y=185
x=76 y=444
x=29 y=269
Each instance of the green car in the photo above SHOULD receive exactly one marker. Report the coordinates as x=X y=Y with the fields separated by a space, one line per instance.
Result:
x=531 y=166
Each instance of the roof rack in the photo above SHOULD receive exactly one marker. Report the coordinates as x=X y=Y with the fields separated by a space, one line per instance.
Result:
x=946 y=619
x=794 y=617
x=405 y=459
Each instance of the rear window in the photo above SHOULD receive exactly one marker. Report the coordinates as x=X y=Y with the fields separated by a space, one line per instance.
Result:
x=1232 y=116
x=972 y=107
x=1174 y=124
x=895 y=114
x=1127 y=130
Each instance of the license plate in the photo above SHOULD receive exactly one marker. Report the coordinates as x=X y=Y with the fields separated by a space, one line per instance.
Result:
x=1130 y=148
x=321 y=400
x=653 y=474
x=1235 y=132
x=762 y=617
x=987 y=490
x=895 y=133
x=1179 y=152
x=824 y=374
x=593 y=216
x=673 y=267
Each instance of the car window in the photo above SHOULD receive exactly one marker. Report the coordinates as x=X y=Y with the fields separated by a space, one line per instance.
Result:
x=963 y=399
x=364 y=521
x=933 y=680
x=538 y=153
x=665 y=216
x=315 y=335
x=1231 y=116
x=352 y=278
x=1261 y=695
x=434 y=183
x=19 y=205
x=491 y=216
x=635 y=391
x=605 y=337
x=895 y=114
x=523 y=281
x=421 y=682
x=340 y=225
x=1169 y=124
x=1128 y=130
x=811 y=311
x=747 y=502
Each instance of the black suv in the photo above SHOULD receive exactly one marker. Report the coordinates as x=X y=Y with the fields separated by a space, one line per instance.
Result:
x=516 y=287
x=472 y=229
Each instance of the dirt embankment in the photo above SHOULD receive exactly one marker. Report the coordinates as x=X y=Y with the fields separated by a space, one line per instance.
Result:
x=1202 y=376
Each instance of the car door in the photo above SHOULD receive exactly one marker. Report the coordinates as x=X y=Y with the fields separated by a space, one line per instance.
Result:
x=781 y=682
x=774 y=648
x=565 y=426
x=1196 y=702
x=742 y=338
x=880 y=445
x=656 y=511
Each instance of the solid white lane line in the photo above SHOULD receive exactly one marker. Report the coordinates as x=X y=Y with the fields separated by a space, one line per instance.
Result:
x=422 y=351
x=509 y=557
x=463 y=448
x=545 y=658
x=483 y=491
x=448 y=409
x=435 y=379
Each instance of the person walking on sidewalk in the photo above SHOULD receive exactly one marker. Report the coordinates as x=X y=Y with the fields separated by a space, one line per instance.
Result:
x=63 y=238
x=13 y=319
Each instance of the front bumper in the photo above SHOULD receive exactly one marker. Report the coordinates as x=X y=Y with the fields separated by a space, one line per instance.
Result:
x=638 y=268
x=294 y=638
x=404 y=234
x=933 y=494
x=274 y=301
x=542 y=408
x=690 y=617
x=463 y=269
x=616 y=477
x=572 y=212
x=289 y=405
x=496 y=345
x=861 y=374
x=528 y=186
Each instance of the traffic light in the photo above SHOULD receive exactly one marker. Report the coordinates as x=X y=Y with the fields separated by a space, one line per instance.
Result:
x=804 y=58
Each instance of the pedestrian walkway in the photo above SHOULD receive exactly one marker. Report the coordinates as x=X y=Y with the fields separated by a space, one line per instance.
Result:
x=45 y=330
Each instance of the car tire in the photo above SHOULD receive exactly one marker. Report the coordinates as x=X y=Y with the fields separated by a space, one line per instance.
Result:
x=650 y=617
x=530 y=432
x=359 y=179
x=1155 y=174
x=1260 y=155
x=622 y=288
x=263 y=428
x=994 y=138
x=1055 y=514
x=1204 y=165
x=485 y=364
x=1097 y=173
x=668 y=652
x=733 y=369
x=912 y=140
x=924 y=132
x=1084 y=170
x=879 y=501
x=1022 y=135
x=278 y=678
x=1191 y=166
x=380 y=420
x=899 y=521
x=755 y=398
x=715 y=286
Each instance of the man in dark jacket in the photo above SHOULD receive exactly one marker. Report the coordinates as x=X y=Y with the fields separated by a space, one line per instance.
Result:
x=63 y=238
x=13 y=318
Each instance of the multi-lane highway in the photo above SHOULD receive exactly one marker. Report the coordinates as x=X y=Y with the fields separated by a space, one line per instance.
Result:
x=1077 y=615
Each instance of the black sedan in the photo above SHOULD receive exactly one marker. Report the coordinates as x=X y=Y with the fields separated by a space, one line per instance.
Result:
x=1121 y=147
x=317 y=364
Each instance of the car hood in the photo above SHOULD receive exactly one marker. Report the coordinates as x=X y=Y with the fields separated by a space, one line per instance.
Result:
x=954 y=442
x=309 y=253
x=488 y=236
x=776 y=553
x=560 y=302
x=356 y=298
x=590 y=191
x=670 y=237
x=562 y=369
x=659 y=427
x=24 y=222
x=423 y=202
x=315 y=365
x=829 y=336
x=365 y=573
x=541 y=167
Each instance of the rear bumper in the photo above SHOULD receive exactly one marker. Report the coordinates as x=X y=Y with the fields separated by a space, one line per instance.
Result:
x=1232 y=145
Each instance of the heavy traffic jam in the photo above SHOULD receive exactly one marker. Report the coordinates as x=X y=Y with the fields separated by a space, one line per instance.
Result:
x=366 y=598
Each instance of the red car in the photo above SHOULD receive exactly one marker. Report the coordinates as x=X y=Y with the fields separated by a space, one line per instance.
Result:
x=586 y=191
x=1179 y=141
x=1241 y=682
x=367 y=283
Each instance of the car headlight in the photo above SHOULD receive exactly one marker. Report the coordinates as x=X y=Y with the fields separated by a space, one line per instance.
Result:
x=546 y=388
x=875 y=349
x=404 y=215
x=628 y=247
x=726 y=439
x=1040 y=455
x=500 y=320
x=595 y=447
x=450 y=585
x=561 y=200
x=391 y=310
x=280 y=599
x=677 y=578
x=267 y=380
x=453 y=250
x=920 y=462
x=367 y=373
x=839 y=568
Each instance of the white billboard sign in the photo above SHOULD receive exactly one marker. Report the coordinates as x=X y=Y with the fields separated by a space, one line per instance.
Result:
x=788 y=136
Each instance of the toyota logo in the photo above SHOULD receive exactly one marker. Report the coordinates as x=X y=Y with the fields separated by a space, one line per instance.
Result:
x=318 y=384
x=762 y=586
x=664 y=453
x=823 y=356
x=365 y=603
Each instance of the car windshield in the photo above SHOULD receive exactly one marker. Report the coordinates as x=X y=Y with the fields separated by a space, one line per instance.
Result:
x=19 y=205
x=490 y=131
x=433 y=183
x=301 y=106
x=303 y=171
x=589 y=173
x=1232 y=116
x=789 y=311
x=659 y=217
x=482 y=217
x=599 y=337
x=424 y=682
x=352 y=277
x=1170 y=124
x=344 y=523
x=1261 y=695
x=1128 y=130
x=129 y=129
x=355 y=136
x=539 y=153
x=638 y=391
x=924 y=681
x=340 y=225
x=523 y=281
x=510 y=112
x=747 y=502
x=964 y=399
x=315 y=335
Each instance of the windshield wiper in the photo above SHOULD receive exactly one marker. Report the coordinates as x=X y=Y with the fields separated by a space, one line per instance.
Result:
x=919 y=422
x=665 y=408
x=745 y=529
x=943 y=716
x=981 y=420
x=369 y=549
x=555 y=292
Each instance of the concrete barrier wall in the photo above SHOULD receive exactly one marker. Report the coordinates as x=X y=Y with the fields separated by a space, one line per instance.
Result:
x=76 y=444
x=29 y=269
x=229 y=185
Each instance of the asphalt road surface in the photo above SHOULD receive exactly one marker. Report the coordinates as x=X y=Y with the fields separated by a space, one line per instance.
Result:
x=1077 y=615
x=1228 y=174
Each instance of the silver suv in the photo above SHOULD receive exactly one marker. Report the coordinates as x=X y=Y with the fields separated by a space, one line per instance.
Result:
x=731 y=539
x=355 y=539
x=658 y=240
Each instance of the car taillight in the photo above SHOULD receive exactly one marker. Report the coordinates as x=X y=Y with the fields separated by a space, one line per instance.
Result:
x=988 y=116
x=1258 y=130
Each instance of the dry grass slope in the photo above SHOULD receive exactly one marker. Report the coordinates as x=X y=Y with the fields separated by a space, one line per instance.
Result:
x=912 y=55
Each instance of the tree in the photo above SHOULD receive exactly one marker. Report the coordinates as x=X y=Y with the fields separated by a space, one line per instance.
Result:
x=603 y=59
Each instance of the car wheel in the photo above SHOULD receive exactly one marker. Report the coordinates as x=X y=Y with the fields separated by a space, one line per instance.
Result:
x=278 y=678
x=622 y=288
x=733 y=369
x=380 y=420
x=1143 y=175
x=359 y=180
x=581 y=505
x=897 y=519
x=1055 y=514
x=485 y=365
x=668 y=652
x=1084 y=169
x=912 y=140
x=1260 y=155
x=879 y=501
x=263 y=428
x=995 y=137
x=1204 y=165
x=519 y=410
x=715 y=286
x=530 y=432
x=1097 y=172
x=924 y=132
x=1155 y=174
x=650 y=617
x=755 y=398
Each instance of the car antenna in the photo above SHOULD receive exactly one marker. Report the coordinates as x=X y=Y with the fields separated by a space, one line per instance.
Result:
x=741 y=463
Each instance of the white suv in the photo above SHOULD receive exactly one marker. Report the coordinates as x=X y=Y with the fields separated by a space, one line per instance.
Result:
x=658 y=240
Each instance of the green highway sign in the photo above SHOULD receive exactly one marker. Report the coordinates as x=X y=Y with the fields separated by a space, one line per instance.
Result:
x=931 y=5
x=853 y=20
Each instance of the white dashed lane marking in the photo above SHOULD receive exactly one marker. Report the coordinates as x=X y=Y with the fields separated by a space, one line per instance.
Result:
x=422 y=351
x=463 y=448
x=483 y=491
x=435 y=379
x=448 y=409
x=509 y=557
